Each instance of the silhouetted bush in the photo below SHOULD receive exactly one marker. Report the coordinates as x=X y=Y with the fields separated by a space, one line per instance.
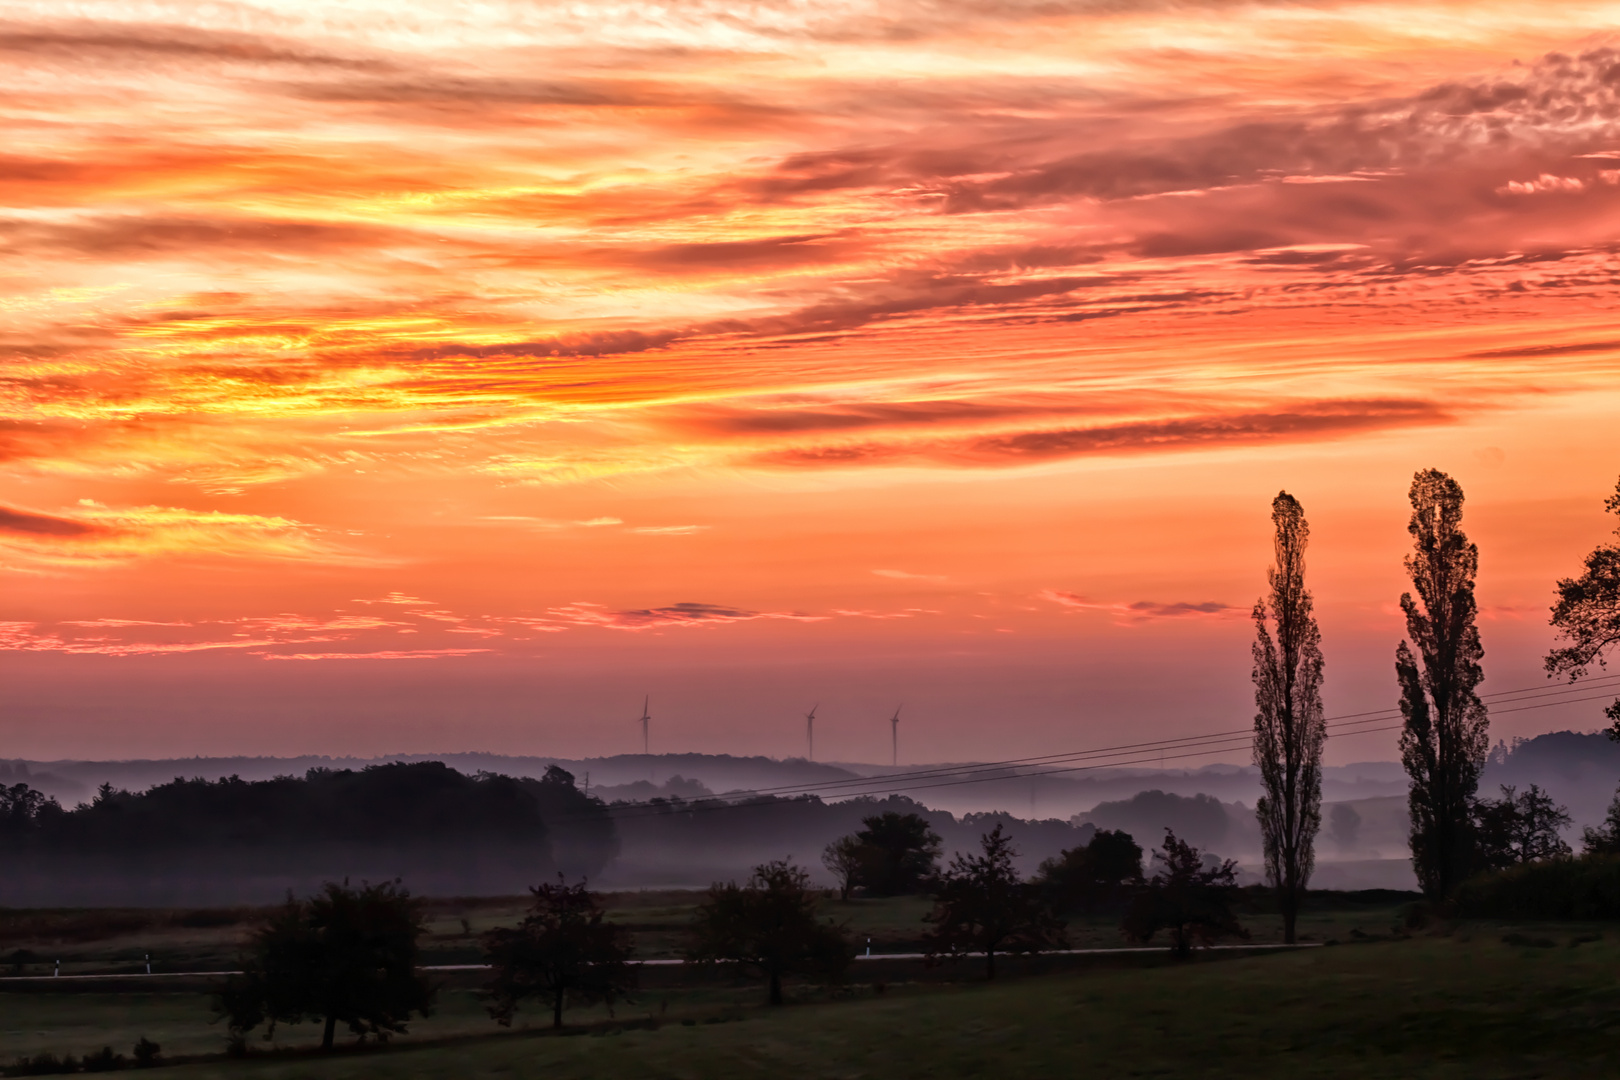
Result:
x=148 y=1054
x=104 y=1060
x=1587 y=887
x=42 y=1065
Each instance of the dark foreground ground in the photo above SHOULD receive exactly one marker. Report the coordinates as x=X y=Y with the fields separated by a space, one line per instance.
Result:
x=1471 y=1000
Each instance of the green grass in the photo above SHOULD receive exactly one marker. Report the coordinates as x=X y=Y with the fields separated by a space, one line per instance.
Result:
x=1469 y=1004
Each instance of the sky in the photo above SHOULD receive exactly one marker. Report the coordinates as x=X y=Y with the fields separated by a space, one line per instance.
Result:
x=389 y=377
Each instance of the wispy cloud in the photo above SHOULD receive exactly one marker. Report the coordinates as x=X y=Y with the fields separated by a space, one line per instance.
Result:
x=1146 y=610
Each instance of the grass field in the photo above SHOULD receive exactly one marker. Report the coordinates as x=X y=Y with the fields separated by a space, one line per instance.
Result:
x=1474 y=1001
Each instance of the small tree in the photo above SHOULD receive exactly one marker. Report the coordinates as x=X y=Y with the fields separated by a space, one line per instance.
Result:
x=1192 y=901
x=843 y=858
x=344 y=955
x=1445 y=737
x=983 y=906
x=563 y=949
x=1082 y=878
x=1519 y=828
x=1605 y=839
x=770 y=925
x=900 y=853
x=1587 y=615
x=1289 y=728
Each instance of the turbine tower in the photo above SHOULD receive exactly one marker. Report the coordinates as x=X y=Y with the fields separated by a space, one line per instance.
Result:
x=810 y=732
x=894 y=733
x=646 y=743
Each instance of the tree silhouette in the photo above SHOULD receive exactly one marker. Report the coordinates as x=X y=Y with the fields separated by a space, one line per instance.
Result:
x=1444 y=739
x=900 y=853
x=843 y=858
x=1082 y=878
x=1605 y=839
x=344 y=955
x=1192 y=901
x=769 y=924
x=562 y=949
x=1519 y=828
x=1289 y=729
x=1587 y=615
x=983 y=906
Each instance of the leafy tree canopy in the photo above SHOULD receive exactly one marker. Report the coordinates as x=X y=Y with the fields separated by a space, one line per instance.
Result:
x=983 y=906
x=1096 y=873
x=1519 y=828
x=771 y=925
x=1587 y=615
x=342 y=956
x=1191 y=900
x=563 y=949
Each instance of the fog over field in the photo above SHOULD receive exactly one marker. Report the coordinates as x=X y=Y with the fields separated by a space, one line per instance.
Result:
x=685 y=820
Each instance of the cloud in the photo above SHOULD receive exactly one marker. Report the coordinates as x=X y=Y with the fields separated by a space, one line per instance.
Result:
x=669 y=530
x=1304 y=421
x=1146 y=610
x=903 y=575
x=32 y=524
x=683 y=614
x=97 y=534
x=380 y=654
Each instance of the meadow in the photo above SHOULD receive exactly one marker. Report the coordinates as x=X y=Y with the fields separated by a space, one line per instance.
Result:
x=1470 y=999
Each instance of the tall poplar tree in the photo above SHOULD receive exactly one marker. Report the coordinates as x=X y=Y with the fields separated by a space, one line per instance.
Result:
x=1288 y=726
x=1445 y=738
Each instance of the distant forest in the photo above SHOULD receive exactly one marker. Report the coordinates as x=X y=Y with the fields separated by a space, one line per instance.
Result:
x=236 y=841
x=442 y=832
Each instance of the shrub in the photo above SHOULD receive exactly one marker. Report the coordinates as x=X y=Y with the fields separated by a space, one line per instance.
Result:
x=104 y=1060
x=1584 y=888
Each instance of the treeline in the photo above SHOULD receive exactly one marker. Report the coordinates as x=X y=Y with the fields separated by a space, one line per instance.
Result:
x=231 y=840
x=681 y=843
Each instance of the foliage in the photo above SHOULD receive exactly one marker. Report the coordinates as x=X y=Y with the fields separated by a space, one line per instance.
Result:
x=981 y=905
x=843 y=858
x=1444 y=740
x=895 y=854
x=1605 y=839
x=22 y=810
x=1202 y=819
x=1519 y=828
x=562 y=949
x=1192 y=901
x=344 y=955
x=1092 y=875
x=1289 y=728
x=1587 y=887
x=1587 y=615
x=770 y=924
x=148 y=1054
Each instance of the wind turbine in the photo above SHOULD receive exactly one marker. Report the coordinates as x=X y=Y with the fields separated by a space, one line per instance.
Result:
x=894 y=732
x=810 y=731
x=646 y=743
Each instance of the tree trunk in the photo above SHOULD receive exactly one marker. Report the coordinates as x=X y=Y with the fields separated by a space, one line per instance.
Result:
x=775 y=997
x=990 y=962
x=556 y=1010
x=1290 y=913
x=331 y=1029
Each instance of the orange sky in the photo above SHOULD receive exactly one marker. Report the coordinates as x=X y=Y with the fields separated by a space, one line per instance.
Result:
x=412 y=377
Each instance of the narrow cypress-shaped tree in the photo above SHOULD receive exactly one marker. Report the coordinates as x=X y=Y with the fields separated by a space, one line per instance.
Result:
x=1445 y=738
x=1288 y=726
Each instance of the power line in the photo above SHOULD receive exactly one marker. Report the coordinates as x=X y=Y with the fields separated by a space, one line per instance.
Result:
x=1192 y=746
